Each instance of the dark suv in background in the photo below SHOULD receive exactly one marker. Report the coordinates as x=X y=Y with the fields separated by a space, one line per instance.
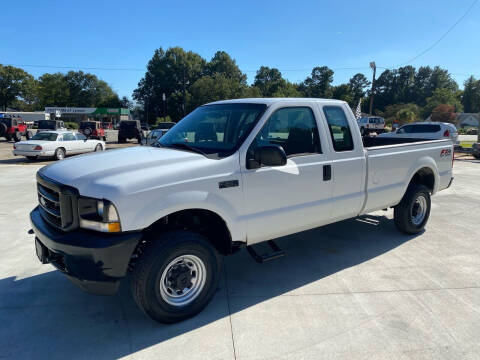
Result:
x=130 y=129
x=92 y=129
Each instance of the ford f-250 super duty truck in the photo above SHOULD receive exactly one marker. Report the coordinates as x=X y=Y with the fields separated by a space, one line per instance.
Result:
x=230 y=174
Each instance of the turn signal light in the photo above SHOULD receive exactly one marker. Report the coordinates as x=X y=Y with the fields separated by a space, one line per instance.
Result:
x=38 y=147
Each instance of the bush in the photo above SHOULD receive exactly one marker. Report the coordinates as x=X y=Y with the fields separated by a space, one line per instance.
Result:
x=71 y=125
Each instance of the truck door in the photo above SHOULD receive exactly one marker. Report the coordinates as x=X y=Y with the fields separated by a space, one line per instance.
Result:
x=348 y=162
x=281 y=200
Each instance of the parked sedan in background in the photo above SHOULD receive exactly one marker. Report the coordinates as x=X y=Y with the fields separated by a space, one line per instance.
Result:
x=425 y=130
x=57 y=144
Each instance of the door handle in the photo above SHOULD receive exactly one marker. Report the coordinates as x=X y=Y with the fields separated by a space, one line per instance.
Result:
x=327 y=172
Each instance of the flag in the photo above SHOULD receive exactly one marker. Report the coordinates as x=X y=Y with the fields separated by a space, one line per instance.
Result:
x=358 y=112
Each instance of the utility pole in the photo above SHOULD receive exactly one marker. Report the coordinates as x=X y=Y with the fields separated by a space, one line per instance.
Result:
x=374 y=68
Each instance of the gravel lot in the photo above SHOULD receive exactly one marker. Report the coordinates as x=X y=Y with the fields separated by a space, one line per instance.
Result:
x=355 y=290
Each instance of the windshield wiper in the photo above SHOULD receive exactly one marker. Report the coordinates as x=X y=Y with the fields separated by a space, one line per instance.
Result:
x=186 y=147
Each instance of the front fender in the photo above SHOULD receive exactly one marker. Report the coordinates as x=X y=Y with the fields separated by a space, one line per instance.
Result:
x=154 y=209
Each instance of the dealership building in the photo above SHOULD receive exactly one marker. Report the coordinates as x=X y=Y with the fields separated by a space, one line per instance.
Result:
x=77 y=114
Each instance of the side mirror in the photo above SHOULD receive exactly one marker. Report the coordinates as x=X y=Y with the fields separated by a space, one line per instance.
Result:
x=268 y=155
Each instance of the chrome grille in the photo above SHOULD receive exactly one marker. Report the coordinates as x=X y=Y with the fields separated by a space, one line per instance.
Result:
x=49 y=201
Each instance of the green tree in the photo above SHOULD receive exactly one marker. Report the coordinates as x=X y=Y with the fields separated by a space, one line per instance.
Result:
x=471 y=95
x=343 y=92
x=319 y=84
x=358 y=84
x=442 y=96
x=216 y=87
x=223 y=64
x=271 y=83
x=172 y=72
x=15 y=84
x=53 y=90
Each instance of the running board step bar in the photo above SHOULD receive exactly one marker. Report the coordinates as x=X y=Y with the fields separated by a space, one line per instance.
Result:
x=275 y=254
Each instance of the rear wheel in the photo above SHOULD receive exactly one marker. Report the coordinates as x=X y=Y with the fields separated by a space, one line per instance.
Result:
x=29 y=135
x=121 y=140
x=8 y=137
x=17 y=136
x=105 y=138
x=176 y=276
x=98 y=147
x=139 y=139
x=59 y=154
x=411 y=214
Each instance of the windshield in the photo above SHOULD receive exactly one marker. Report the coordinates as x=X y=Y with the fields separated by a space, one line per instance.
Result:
x=46 y=124
x=128 y=124
x=87 y=124
x=214 y=129
x=45 y=136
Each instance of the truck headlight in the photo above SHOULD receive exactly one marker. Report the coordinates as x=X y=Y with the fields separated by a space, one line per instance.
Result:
x=99 y=215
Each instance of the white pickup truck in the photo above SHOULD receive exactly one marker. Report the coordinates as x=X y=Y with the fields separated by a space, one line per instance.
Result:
x=230 y=174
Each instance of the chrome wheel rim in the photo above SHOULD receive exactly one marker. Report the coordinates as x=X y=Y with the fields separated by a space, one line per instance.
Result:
x=98 y=147
x=60 y=155
x=182 y=280
x=419 y=210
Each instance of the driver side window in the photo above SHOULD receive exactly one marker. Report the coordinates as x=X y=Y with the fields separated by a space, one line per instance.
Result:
x=294 y=129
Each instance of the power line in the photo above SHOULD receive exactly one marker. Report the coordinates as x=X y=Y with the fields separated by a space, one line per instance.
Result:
x=78 y=67
x=441 y=37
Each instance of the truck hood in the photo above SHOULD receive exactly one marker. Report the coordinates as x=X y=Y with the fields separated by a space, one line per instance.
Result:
x=128 y=170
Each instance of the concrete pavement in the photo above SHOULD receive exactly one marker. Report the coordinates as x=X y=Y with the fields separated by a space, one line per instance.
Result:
x=354 y=290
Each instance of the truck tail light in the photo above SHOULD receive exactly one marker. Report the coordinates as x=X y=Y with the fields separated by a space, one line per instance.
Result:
x=38 y=147
x=446 y=133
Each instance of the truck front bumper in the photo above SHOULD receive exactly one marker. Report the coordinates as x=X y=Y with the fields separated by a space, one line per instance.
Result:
x=93 y=261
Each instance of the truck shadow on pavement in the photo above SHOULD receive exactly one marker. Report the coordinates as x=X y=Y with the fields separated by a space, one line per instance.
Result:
x=45 y=314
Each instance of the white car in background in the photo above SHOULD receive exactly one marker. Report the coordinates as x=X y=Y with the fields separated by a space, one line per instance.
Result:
x=57 y=144
x=371 y=124
x=425 y=130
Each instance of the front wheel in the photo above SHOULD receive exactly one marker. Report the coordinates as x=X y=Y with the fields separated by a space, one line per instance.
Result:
x=176 y=277
x=29 y=135
x=17 y=136
x=98 y=147
x=411 y=214
x=59 y=154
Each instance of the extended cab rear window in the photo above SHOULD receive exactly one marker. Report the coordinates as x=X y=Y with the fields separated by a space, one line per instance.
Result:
x=339 y=128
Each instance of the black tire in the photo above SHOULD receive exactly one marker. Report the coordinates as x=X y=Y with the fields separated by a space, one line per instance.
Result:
x=98 y=147
x=28 y=135
x=8 y=137
x=31 y=158
x=3 y=129
x=87 y=132
x=139 y=139
x=147 y=274
x=476 y=155
x=105 y=138
x=121 y=140
x=59 y=154
x=17 y=136
x=405 y=212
